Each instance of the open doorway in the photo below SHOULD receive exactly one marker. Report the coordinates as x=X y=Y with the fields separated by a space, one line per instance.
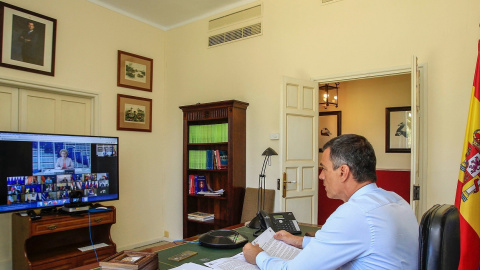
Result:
x=362 y=105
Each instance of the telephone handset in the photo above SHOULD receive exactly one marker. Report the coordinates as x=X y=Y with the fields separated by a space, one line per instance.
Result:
x=279 y=221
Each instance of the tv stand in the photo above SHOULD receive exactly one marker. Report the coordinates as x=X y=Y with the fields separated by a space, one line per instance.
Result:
x=52 y=242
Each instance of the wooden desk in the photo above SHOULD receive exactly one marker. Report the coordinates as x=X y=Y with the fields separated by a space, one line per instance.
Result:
x=204 y=254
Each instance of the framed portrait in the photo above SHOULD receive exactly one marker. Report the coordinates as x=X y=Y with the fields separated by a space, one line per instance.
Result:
x=28 y=40
x=398 y=129
x=134 y=113
x=134 y=71
x=329 y=127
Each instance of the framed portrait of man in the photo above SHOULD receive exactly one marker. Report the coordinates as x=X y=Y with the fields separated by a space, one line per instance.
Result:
x=27 y=40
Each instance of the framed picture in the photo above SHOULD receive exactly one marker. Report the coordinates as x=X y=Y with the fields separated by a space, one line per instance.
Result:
x=134 y=71
x=398 y=130
x=28 y=40
x=329 y=127
x=134 y=113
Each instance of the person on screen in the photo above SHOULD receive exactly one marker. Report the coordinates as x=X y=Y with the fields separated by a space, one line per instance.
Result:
x=372 y=229
x=64 y=162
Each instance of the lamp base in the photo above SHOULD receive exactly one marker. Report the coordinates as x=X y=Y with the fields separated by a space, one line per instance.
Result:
x=254 y=223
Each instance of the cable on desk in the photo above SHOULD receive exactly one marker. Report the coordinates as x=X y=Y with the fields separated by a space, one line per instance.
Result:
x=90 y=232
x=184 y=241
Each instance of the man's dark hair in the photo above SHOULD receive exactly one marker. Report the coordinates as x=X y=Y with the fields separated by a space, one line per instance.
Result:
x=357 y=153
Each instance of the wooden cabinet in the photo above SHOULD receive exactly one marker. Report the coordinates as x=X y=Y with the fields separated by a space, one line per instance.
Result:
x=52 y=242
x=228 y=207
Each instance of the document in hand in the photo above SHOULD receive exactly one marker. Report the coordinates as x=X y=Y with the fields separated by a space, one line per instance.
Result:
x=274 y=247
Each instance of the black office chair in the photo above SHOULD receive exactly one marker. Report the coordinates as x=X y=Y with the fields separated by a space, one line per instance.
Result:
x=440 y=238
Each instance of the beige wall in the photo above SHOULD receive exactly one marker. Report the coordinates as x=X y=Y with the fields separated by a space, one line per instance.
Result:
x=363 y=103
x=309 y=40
x=88 y=37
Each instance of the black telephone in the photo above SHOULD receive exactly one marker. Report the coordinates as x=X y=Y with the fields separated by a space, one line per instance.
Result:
x=279 y=221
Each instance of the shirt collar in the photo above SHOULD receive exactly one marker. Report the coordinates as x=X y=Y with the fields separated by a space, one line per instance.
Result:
x=364 y=189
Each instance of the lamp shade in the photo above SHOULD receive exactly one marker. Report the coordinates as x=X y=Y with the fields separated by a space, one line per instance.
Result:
x=269 y=152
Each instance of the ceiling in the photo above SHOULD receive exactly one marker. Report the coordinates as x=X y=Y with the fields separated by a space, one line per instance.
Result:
x=168 y=14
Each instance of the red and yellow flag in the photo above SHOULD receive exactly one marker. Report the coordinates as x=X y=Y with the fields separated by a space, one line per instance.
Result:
x=468 y=197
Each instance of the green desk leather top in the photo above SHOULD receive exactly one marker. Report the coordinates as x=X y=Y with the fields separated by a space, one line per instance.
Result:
x=206 y=254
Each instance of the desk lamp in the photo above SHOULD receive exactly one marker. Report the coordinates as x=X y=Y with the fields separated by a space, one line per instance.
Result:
x=255 y=223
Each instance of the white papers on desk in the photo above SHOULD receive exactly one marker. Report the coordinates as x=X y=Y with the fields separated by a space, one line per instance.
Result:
x=274 y=247
x=191 y=266
x=236 y=262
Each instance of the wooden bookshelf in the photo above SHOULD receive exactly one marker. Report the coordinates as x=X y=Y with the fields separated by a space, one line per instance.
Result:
x=228 y=207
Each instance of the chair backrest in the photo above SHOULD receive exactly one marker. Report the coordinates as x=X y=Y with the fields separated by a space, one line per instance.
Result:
x=440 y=238
x=250 y=203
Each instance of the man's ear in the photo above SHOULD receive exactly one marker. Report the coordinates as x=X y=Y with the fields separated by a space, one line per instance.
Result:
x=344 y=172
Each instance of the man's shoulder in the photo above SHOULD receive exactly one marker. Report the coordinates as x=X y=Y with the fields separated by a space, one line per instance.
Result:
x=375 y=198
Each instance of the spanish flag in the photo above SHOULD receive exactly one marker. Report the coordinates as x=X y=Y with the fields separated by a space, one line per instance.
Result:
x=467 y=199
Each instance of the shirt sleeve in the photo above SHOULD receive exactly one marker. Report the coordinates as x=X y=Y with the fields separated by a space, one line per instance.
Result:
x=344 y=236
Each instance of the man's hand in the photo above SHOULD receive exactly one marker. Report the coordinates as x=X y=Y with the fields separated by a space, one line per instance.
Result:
x=250 y=252
x=289 y=238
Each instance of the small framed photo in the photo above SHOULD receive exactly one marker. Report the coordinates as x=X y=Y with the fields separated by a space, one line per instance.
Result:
x=329 y=127
x=134 y=71
x=398 y=129
x=134 y=113
x=28 y=40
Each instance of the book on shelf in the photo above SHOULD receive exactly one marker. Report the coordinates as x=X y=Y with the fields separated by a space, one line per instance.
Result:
x=200 y=183
x=216 y=133
x=208 y=159
x=201 y=216
x=211 y=193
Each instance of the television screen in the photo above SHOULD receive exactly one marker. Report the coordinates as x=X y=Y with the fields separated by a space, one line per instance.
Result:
x=40 y=170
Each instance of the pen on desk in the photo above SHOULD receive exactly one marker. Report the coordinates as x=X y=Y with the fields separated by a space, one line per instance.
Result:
x=236 y=236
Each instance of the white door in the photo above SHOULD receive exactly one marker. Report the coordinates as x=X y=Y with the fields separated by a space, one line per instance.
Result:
x=416 y=149
x=54 y=113
x=299 y=149
x=8 y=108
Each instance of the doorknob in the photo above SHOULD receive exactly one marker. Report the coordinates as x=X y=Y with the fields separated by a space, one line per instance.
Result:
x=285 y=184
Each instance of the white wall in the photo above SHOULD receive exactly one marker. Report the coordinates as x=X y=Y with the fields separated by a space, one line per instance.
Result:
x=88 y=37
x=305 y=39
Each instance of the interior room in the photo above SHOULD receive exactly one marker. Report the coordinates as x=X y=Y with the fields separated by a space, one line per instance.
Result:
x=366 y=46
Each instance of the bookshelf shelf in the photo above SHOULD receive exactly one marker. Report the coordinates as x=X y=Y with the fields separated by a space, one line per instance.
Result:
x=208 y=197
x=207 y=128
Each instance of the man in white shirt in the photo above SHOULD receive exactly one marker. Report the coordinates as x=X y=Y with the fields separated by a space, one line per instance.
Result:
x=372 y=229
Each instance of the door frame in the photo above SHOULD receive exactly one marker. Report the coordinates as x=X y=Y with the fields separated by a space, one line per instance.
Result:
x=392 y=71
x=35 y=86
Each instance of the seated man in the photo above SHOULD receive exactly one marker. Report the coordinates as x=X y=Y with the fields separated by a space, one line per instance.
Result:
x=372 y=229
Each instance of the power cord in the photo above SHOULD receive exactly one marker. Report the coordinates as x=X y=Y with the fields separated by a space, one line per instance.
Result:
x=90 y=232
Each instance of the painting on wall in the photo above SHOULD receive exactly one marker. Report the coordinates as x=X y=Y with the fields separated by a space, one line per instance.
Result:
x=28 y=40
x=134 y=113
x=398 y=129
x=329 y=127
x=134 y=71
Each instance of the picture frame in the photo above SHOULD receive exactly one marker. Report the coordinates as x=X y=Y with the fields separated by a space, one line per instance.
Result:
x=134 y=71
x=398 y=129
x=134 y=113
x=28 y=40
x=329 y=127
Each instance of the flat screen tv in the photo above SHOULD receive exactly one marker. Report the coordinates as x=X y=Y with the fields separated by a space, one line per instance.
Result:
x=41 y=170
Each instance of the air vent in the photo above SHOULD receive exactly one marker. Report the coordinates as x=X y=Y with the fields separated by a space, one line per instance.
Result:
x=236 y=34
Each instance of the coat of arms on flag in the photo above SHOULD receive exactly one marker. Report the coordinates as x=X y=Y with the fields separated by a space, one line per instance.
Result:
x=471 y=167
